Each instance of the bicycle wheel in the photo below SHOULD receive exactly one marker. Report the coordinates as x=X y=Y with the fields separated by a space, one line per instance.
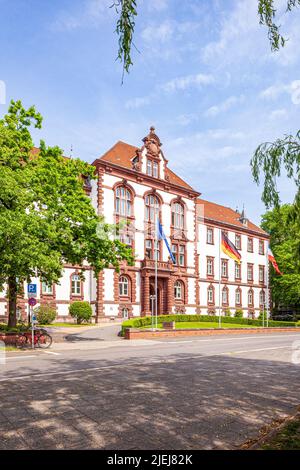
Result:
x=44 y=341
x=21 y=341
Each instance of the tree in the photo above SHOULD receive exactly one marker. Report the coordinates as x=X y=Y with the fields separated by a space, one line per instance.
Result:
x=46 y=219
x=284 y=244
x=127 y=11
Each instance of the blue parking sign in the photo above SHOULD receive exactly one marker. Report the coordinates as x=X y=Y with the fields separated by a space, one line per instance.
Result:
x=32 y=289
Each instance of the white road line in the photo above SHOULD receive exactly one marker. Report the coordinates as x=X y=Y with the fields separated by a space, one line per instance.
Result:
x=176 y=342
x=20 y=357
x=51 y=352
x=256 y=350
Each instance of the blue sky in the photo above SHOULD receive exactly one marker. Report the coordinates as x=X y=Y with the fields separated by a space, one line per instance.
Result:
x=205 y=77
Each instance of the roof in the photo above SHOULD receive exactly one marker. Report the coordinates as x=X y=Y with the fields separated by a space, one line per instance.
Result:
x=226 y=215
x=122 y=153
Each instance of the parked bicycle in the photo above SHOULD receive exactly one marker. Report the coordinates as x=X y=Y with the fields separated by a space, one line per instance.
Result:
x=41 y=338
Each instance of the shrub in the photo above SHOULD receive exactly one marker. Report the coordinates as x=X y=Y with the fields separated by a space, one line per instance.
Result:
x=227 y=312
x=238 y=314
x=45 y=314
x=81 y=311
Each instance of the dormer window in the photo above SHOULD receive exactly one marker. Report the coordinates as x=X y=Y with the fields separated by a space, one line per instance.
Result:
x=152 y=168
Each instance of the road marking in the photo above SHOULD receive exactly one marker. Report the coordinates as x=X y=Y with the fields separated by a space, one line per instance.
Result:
x=51 y=352
x=255 y=350
x=176 y=342
x=20 y=357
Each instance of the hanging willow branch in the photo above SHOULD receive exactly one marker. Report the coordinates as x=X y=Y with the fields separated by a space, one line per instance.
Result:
x=267 y=14
x=127 y=11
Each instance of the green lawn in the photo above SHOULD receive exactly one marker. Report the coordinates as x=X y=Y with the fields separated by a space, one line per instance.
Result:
x=190 y=324
x=288 y=438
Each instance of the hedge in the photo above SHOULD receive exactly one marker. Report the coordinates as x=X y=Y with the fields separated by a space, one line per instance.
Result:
x=147 y=321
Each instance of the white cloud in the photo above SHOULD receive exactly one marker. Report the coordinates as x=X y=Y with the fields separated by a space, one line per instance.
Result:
x=224 y=106
x=182 y=83
x=158 y=5
x=158 y=33
x=274 y=91
x=91 y=13
x=136 y=103
x=278 y=114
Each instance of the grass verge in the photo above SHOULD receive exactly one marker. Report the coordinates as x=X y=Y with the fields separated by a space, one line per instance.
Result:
x=287 y=437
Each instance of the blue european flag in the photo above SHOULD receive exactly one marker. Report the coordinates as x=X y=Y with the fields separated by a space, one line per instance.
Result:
x=161 y=236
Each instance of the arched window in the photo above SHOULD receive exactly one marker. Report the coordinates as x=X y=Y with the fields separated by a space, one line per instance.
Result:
x=262 y=298
x=238 y=297
x=177 y=216
x=250 y=297
x=123 y=201
x=76 y=284
x=123 y=286
x=152 y=208
x=125 y=313
x=178 y=290
x=225 y=296
x=210 y=295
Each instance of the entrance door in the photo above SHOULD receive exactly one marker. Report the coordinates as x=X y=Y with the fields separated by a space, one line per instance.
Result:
x=161 y=296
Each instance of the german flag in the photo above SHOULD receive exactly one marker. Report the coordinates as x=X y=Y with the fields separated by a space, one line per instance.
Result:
x=229 y=249
x=272 y=260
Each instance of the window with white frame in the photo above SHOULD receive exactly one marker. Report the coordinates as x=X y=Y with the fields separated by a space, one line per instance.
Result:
x=152 y=168
x=174 y=250
x=262 y=298
x=210 y=267
x=238 y=297
x=123 y=286
x=123 y=202
x=76 y=284
x=125 y=313
x=210 y=236
x=261 y=274
x=152 y=208
x=177 y=216
x=238 y=241
x=47 y=289
x=250 y=272
x=224 y=296
x=181 y=255
x=224 y=268
x=250 y=297
x=237 y=271
x=210 y=295
x=178 y=290
x=250 y=245
x=261 y=248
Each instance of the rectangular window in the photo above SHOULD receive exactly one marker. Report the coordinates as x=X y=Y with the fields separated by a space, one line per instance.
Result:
x=149 y=167
x=76 y=287
x=237 y=271
x=238 y=297
x=149 y=249
x=224 y=268
x=224 y=297
x=261 y=247
x=174 y=252
x=261 y=274
x=210 y=266
x=238 y=243
x=155 y=169
x=250 y=245
x=250 y=272
x=181 y=255
x=210 y=236
x=46 y=288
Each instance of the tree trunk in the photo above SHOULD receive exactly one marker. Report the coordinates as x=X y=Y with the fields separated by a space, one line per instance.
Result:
x=12 y=302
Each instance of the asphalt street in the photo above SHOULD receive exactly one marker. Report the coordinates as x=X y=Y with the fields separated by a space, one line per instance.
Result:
x=200 y=393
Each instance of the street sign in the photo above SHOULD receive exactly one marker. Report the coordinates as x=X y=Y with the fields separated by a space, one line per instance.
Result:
x=32 y=289
x=32 y=301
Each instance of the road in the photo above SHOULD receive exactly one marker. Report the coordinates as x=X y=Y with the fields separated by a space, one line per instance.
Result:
x=200 y=393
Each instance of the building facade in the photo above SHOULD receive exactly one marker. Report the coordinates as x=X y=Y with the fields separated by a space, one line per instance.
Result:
x=134 y=187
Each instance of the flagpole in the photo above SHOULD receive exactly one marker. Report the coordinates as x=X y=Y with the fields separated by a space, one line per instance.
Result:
x=156 y=262
x=267 y=296
x=219 y=278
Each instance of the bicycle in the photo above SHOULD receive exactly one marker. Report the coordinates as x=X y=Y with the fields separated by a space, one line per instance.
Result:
x=41 y=339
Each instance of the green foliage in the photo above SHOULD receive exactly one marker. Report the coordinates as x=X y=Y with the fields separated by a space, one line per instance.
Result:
x=267 y=14
x=285 y=238
x=46 y=218
x=227 y=312
x=45 y=314
x=81 y=311
x=147 y=321
x=238 y=314
x=125 y=29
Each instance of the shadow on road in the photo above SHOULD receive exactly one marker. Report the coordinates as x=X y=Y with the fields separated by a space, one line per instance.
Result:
x=182 y=402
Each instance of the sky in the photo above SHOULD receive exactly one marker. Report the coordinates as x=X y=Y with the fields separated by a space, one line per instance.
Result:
x=203 y=75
